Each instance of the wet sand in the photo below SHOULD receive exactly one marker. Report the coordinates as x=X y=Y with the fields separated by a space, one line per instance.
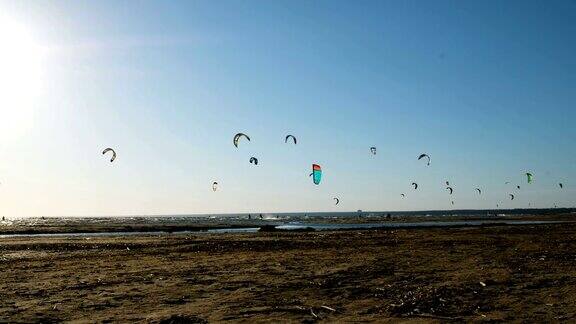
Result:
x=522 y=273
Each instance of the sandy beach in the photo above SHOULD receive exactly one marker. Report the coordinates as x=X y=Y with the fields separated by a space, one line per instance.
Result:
x=503 y=273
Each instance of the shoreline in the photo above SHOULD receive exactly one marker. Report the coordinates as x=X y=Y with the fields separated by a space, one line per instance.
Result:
x=130 y=226
x=267 y=228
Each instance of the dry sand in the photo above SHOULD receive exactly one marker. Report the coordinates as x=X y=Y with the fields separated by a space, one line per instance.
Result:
x=505 y=273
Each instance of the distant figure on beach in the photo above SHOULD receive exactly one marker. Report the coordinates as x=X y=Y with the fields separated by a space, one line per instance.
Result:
x=3 y=218
x=249 y=216
x=261 y=216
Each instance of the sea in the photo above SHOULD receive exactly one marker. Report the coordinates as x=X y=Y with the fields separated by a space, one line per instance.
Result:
x=255 y=222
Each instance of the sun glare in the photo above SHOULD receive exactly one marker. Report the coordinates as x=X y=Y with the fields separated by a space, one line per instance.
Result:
x=20 y=78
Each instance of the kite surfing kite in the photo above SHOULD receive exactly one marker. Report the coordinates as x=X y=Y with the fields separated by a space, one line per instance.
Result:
x=517 y=187
x=316 y=174
x=373 y=150
x=214 y=186
x=561 y=185
x=424 y=156
x=337 y=200
x=113 y=153
x=511 y=196
x=238 y=136
x=479 y=191
x=452 y=202
x=254 y=160
x=403 y=195
x=529 y=177
x=449 y=189
x=447 y=183
x=415 y=185
x=290 y=136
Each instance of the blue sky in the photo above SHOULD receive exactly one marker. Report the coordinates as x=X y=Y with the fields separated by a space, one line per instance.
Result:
x=486 y=88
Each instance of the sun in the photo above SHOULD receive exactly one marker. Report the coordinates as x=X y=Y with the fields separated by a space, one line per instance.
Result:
x=20 y=78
